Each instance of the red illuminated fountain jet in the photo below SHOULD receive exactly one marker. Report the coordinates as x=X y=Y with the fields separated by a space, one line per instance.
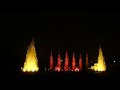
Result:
x=80 y=63
x=51 y=62
x=86 y=62
x=73 y=62
x=66 y=67
x=58 y=67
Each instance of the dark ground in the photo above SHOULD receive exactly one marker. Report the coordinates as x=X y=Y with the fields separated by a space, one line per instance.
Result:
x=53 y=80
x=112 y=73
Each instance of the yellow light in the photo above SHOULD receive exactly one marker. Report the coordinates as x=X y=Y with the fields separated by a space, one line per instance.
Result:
x=100 y=66
x=31 y=62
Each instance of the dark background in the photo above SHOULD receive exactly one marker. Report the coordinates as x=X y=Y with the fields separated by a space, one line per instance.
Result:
x=72 y=30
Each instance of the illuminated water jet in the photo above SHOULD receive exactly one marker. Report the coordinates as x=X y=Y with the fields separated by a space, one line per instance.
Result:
x=51 y=62
x=80 y=63
x=58 y=67
x=31 y=62
x=73 y=62
x=66 y=67
x=87 y=62
x=100 y=66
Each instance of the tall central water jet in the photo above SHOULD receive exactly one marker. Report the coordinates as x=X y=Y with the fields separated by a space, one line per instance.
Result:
x=73 y=62
x=31 y=62
x=66 y=67
x=100 y=65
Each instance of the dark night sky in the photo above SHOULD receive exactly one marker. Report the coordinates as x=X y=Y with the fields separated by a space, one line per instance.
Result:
x=72 y=31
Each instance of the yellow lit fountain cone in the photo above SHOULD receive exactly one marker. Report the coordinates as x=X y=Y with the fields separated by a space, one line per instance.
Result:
x=31 y=62
x=100 y=66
